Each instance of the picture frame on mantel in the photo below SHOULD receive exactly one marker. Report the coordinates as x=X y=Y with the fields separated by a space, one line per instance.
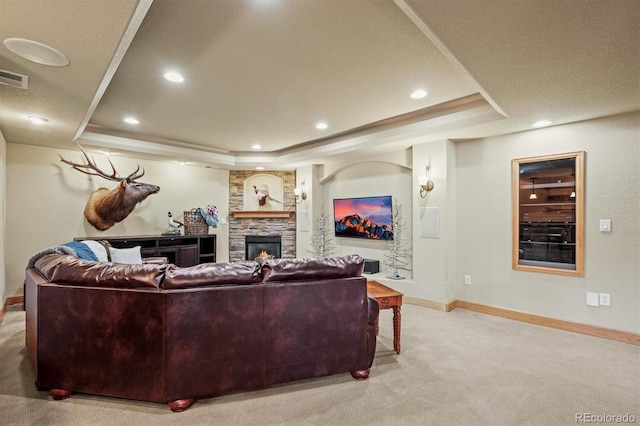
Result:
x=263 y=192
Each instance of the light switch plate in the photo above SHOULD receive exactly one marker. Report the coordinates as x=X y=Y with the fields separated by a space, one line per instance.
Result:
x=593 y=299
x=605 y=225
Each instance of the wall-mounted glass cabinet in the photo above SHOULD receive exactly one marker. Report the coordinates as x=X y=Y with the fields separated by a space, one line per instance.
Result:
x=548 y=213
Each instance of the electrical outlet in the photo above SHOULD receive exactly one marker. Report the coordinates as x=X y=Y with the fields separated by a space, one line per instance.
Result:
x=467 y=280
x=605 y=299
x=593 y=299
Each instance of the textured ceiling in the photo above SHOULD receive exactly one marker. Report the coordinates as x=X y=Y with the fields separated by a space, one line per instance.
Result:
x=89 y=34
x=265 y=71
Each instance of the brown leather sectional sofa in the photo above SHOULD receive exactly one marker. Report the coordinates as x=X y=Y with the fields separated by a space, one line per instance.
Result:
x=166 y=334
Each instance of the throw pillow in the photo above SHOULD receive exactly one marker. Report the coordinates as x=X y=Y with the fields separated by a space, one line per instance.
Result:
x=83 y=251
x=129 y=256
x=97 y=249
x=107 y=246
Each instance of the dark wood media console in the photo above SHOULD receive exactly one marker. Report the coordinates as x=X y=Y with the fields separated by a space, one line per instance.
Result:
x=182 y=250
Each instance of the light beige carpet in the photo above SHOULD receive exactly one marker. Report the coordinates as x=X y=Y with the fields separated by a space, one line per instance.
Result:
x=457 y=368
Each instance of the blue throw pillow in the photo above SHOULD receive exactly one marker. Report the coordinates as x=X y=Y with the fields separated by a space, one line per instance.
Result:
x=83 y=251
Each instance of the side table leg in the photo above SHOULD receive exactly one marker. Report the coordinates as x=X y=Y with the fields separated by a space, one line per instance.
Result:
x=396 y=328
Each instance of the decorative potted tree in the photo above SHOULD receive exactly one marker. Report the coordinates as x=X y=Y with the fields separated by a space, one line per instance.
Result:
x=322 y=240
x=398 y=255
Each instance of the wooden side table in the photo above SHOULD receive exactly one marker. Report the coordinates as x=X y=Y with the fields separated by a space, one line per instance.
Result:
x=388 y=298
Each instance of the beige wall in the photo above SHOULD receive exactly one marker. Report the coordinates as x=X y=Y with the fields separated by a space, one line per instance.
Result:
x=45 y=202
x=473 y=194
x=434 y=257
x=3 y=192
x=483 y=218
x=307 y=209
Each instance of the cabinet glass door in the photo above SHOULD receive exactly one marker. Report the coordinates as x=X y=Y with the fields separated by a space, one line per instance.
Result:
x=548 y=213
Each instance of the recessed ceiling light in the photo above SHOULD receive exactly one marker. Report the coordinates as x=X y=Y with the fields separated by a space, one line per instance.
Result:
x=37 y=120
x=131 y=120
x=256 y=146
x=419 y=94
x=541 y=123
x=259 y=168
x=37 y=52
x=321 y=126
x=174 y=77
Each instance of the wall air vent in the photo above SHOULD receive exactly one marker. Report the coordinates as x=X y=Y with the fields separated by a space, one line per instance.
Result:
x=13 y=79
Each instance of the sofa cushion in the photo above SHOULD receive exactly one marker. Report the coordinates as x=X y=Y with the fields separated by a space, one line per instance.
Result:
x=68 y=270
x=206 y=274
x=313 y=269
x=98 y=249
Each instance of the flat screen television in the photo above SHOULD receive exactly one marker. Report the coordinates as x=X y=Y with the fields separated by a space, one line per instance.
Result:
x=363 y=217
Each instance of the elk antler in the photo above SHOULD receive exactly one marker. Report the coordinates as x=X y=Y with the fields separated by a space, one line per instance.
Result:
x=91 y=165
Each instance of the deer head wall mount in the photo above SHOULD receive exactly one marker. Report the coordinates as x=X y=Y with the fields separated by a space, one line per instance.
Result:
x=106 y=207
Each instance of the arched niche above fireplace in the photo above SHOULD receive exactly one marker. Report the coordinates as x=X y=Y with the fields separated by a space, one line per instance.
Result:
x=263 y=192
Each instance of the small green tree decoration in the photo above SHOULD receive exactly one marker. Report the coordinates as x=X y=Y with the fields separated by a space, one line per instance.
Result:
x=322 y=238
x=398 y=255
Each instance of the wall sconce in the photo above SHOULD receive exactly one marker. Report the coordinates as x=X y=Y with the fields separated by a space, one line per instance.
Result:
x=533 y=195
x=301 y=195
x=426 y=184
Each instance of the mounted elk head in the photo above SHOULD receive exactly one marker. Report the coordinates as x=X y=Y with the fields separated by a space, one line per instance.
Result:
x=106 y=207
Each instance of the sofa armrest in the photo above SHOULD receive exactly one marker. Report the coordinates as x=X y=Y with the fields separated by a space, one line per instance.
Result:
x=372 y=320
x=374 y=310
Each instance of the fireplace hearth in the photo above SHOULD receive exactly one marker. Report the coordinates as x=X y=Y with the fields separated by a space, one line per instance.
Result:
x=263 y=247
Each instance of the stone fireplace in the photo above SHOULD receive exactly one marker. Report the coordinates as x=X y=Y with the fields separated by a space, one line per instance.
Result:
x=268 y=224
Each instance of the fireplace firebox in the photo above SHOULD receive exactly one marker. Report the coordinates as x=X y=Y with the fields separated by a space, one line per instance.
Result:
x=269 y=247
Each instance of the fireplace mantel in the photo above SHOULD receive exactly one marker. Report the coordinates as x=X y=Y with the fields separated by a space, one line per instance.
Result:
x=272 y=214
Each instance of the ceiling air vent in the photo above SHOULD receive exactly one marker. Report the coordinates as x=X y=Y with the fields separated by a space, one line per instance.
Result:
x=12 y=79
